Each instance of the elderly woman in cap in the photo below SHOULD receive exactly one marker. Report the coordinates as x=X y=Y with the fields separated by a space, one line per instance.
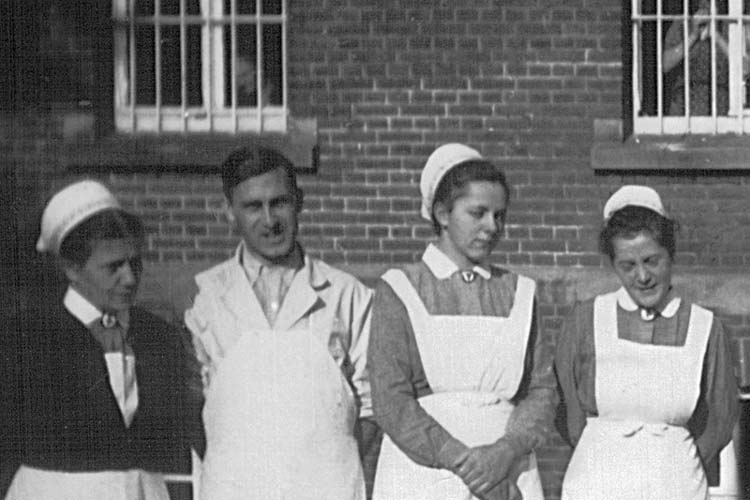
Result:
x=105 y=404
x=646 y=375
x=461 y=383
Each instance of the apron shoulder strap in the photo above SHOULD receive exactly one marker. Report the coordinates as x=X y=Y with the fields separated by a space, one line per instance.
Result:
x=699 y=329
x=405 y=291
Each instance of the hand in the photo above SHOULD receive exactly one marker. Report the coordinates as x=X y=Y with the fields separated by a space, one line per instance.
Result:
x=484 y=467
x=699 y=29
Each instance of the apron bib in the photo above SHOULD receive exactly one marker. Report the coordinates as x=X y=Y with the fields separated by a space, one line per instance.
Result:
x=31 y=483
x=474 y=365
x=279 y=420
x=638 y=448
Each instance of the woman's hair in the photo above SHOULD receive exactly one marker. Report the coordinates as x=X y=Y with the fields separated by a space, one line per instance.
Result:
x=451 y=186
x=106 y=225
x=632 y=220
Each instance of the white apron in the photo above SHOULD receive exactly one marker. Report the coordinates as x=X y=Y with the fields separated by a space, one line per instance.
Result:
x=31 y=483
x=474 y=365
x=279 y=420
x=638 y=448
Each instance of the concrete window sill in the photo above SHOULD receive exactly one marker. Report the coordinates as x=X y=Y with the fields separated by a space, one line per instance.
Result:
x=182 y=152
x=690 y=154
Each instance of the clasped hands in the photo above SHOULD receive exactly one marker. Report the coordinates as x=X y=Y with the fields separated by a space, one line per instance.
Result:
x=490 y=471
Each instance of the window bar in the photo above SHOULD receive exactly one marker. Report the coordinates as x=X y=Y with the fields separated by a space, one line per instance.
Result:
x=207 y=60
x=259 y=64
x=659 y=75
x=636 y=80
x=712 y=28
x=233 y=57
x=183 y=66
x=157 y=62
x=686 y=59
x=131 y=62
x=283 y=61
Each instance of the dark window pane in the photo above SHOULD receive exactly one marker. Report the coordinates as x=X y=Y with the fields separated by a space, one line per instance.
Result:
x=272 y=7
x=170 y=7
x=170 y=66
x=193 y=7
x=246 y=7
x=145 y=82
x=272 y=67
x=245 y=61
x=144 y=7
x=180 y=491
x=194 y=66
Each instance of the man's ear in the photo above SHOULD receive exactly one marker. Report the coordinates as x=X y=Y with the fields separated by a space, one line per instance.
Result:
x=299 y=200
x=228 y=212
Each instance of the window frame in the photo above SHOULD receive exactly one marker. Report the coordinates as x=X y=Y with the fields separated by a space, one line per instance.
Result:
x=213 y=116
x=737 y=120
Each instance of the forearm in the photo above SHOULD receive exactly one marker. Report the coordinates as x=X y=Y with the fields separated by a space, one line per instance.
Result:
x=673 y=55
x=720 y=393
x=532 y=420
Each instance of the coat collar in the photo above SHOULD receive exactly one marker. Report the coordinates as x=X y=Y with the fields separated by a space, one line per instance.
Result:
x=443 y=267
x=239 y=296
x=625 y=301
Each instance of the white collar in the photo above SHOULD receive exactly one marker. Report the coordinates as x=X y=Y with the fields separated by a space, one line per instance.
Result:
x=625 y=301
x=443 y=267
x=79 y=306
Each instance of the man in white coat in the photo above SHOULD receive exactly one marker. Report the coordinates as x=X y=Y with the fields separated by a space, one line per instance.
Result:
x=282 y=341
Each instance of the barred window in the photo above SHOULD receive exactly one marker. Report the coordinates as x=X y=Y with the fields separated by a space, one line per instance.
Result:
x=690 y=66
x=200 y=65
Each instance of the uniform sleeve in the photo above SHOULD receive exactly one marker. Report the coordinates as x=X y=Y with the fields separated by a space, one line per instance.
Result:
x=719 y=400
x=567 y=365
x=397 y=379
x=197 y=323
x=532 y=420
x=361 y=307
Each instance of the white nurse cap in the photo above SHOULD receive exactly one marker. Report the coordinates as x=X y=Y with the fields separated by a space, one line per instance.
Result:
x=438 y=164
x=69 y=207
x=640 y=196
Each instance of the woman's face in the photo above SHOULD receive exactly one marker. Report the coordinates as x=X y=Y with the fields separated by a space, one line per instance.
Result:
x=472 y=228
x=644 y=268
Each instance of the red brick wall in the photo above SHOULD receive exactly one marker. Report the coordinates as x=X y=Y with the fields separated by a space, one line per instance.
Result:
x=387 y=81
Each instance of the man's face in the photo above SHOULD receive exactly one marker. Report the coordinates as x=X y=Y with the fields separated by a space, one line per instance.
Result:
x=110 y=277
x=264 y=210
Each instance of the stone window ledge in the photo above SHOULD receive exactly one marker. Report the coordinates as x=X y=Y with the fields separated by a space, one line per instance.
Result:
x=690 y=154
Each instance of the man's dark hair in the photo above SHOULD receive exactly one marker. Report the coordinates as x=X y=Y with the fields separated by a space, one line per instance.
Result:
x=111 y=224
x=631 y=220
x=452 y=184
x=248 y=162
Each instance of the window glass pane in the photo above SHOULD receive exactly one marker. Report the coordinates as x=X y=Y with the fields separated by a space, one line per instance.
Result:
x=245 y=7
x=170 y=7
x=194 y=67
x=170 y=66
x=272 y=67
x=193 y=7
x=647 y=59
x=144 y=7
x=245 y=61
x=145 y=82
x=272 y=7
